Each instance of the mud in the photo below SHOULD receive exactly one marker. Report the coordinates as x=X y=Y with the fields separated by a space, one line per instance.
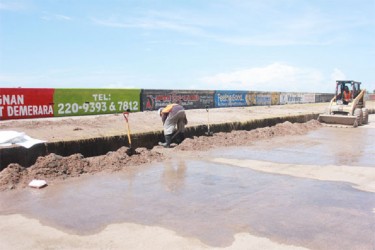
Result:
x=54 y=167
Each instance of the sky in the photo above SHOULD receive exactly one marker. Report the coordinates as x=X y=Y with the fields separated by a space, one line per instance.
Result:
x=255 y=45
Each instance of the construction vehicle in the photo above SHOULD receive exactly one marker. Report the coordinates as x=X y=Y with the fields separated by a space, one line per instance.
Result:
x=347 y=107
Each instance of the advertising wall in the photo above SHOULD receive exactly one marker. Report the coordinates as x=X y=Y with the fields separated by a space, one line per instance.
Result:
x=323 y=97
x=21 y=103
x=153 y=99
x=263 y=98
x=232 y=98
x=296 y=98
x=71 y=102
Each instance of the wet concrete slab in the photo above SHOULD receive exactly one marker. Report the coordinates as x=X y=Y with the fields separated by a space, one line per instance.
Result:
x=212 y=202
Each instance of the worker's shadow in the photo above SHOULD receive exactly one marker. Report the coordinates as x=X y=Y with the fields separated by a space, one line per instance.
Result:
x=173 y=176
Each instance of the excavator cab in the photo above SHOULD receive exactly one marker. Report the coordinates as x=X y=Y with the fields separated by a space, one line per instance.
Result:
x=343 y=87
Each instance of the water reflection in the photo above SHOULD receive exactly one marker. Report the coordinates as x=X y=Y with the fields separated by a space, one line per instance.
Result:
x=173 y=176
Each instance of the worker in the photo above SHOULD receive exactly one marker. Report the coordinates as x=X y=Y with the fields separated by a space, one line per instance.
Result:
x=346 y=95
x=173 y=115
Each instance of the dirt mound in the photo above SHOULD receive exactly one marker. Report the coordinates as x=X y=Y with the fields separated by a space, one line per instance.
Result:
x=118 y=159
x=55 y=167
x=242 y=137
x=11 y=176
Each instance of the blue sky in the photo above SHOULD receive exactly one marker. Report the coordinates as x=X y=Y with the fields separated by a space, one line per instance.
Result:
x=259 y=45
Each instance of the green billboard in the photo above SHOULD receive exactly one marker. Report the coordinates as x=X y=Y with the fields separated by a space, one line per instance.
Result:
x=71 y=102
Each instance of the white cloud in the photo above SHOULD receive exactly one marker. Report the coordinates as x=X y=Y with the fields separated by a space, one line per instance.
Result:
x=57 y=17
x=11 y=6
x=337 y=75
x=150 y=24
x=301 y=30
x=275 y=77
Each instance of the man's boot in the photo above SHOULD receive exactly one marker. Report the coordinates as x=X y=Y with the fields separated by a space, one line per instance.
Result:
x=168 y=140
x=167 y=143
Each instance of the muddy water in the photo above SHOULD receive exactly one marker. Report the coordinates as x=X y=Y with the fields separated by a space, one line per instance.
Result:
x=212 y=202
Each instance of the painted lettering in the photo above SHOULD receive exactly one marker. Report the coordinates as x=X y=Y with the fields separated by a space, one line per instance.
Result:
x=29 y=110
x=101 y=97
x=230 y=98
x=12 y=100
x=163 y=98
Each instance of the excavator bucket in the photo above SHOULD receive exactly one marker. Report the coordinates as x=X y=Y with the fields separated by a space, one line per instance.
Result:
x=339 y=119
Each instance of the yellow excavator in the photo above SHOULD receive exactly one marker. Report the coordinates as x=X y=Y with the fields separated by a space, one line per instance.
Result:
x=347 y=107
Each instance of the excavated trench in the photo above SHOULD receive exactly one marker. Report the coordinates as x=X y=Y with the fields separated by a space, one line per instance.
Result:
x=102 y=145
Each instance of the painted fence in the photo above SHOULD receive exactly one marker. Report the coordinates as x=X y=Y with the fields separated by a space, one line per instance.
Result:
x=72 y=102
x=263 y=98
x=23 y=103
x=297 y=98
x=245 y=98
x=153 y=99
x=231 y=98
x=321 y=97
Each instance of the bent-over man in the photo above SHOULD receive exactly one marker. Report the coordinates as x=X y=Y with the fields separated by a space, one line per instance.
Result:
x=173 y=115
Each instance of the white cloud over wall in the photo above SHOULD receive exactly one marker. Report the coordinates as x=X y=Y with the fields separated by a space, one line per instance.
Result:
x=275 y=77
